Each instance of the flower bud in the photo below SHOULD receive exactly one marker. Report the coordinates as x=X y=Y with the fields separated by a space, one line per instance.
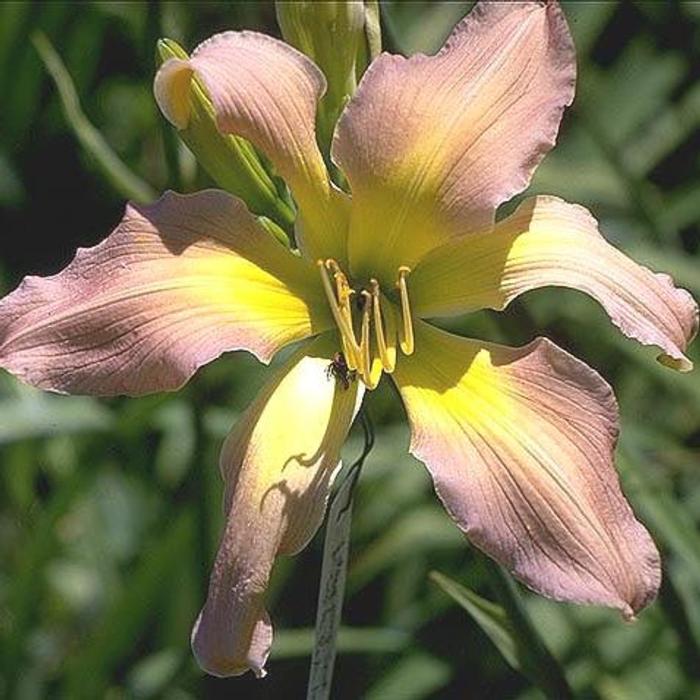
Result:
x=342 y=38
x=230 y=161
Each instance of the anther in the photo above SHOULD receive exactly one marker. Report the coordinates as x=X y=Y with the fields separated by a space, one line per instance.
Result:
x=406 y=340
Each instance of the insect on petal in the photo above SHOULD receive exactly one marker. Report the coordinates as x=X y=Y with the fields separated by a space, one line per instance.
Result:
x=278 y=464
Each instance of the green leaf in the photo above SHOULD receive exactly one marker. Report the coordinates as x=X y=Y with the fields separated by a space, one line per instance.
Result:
x=490 y=617
x=683 y=268
x=119 y=630
x=294 y=643
x=150 y=677
x=36 y=414
x=176 y=449
x=587 y=20
x=12 y=191
x=29 y=579
x=426 y=528
x=510 y=629
x=661 y=511
x=634 y=88
x=416 y=676
x=112 y=167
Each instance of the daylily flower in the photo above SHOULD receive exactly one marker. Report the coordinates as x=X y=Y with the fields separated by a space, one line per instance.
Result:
x=519 y=441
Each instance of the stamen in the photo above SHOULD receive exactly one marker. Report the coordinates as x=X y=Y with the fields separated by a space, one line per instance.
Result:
x=406 y=336
x=349 y=353
x=350 y=347
x=344 y=294
x=365 y=353
x=388 y=363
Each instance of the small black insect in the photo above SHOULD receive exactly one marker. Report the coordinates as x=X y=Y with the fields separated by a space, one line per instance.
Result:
x=338 y=369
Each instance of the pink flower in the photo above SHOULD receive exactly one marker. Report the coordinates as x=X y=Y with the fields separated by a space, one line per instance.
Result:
x=519 y=442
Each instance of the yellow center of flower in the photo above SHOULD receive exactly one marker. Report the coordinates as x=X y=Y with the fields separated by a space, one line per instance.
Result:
x=366 y=321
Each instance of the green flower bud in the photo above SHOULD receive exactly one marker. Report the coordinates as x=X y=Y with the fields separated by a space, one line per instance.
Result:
x=342 y=38
x=230 y=161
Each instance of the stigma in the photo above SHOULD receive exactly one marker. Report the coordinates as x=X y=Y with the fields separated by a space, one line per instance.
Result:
x=370 y=325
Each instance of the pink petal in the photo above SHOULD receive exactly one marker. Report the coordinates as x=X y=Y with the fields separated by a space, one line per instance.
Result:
x=432 y=145
x=548 y=242
x=267 y=92
x=176 y=284
x=278 y=462
x=519 y=443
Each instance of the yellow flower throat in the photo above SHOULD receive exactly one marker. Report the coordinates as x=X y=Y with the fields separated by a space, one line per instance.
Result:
x=371 y=316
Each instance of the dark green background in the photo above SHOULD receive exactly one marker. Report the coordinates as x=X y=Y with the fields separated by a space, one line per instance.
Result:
x=110 y=510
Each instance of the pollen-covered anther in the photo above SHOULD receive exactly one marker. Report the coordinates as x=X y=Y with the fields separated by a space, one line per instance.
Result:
x=406 y=341
x=339 y=303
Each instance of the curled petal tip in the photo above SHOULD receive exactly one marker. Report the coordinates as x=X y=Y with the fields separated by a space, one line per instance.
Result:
x=171 y=88
x=548 y=242
x=220 y=653
x=680 y=364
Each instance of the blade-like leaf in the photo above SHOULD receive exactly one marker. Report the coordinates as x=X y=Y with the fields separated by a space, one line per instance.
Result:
x=510 y=629
x=35 y=415
x=416 y=676
x=122 y=625
x=114 y=169
x=490 y=617
x=294 y=643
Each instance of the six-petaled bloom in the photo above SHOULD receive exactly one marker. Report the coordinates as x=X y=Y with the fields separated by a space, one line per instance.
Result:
x=519 y=441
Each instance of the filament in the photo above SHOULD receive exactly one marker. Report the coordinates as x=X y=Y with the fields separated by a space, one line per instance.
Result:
x=375 y=324
x=365 y=353
x=388 y=363
x=406 y=339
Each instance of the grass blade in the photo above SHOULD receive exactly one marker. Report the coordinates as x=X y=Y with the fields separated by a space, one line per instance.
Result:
x=113 y=168
x=509 y=627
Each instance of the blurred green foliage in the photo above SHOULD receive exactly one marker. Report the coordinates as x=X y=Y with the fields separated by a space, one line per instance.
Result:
x=110 y=510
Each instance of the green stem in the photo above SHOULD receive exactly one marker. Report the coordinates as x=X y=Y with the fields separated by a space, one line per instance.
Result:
x=336 y=548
